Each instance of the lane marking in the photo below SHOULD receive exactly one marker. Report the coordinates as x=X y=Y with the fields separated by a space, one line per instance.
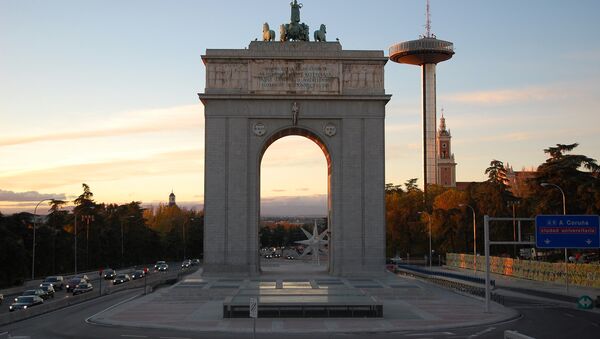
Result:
x=427 y=334
x=489 y=329
x=134 y=336
x=174 y=338
x=569 y=315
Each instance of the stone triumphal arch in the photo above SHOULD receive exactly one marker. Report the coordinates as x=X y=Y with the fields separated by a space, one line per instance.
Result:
x=257 y=95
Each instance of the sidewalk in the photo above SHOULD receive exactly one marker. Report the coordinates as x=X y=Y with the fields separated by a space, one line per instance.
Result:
x=196 y=304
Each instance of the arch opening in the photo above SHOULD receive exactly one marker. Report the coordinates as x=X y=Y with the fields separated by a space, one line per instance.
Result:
x=293 y=201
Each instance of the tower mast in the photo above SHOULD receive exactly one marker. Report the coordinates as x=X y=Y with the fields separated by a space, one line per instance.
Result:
x=427 y=22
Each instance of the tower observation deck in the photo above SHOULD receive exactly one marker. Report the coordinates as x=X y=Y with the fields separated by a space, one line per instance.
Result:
x=425 y=52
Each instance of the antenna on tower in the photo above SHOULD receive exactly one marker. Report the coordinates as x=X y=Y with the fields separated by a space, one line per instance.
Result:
x=427 y=22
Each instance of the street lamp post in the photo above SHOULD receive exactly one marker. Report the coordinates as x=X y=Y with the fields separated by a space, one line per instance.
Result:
x=33 y=247
x=474 y=235
x=122 y=240
x=87 y=219
x=429 y=223
x=564 y=201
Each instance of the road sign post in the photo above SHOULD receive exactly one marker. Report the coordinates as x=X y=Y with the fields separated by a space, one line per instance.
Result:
x=253 y=314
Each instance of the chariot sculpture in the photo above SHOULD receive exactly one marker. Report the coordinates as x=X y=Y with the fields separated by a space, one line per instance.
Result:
x=268 y=34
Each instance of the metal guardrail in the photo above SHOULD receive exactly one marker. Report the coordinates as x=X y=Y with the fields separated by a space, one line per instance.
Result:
x=452 y=275
x=452 y=284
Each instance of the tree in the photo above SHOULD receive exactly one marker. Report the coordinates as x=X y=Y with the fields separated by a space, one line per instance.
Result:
x=497 y=173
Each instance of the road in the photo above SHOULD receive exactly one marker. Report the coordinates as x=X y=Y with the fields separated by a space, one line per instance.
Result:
x=539 y=320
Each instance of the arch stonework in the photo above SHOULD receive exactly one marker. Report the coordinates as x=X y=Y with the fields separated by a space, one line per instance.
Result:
x=257 y=95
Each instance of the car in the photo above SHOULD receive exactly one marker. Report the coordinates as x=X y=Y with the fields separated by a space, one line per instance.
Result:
x=121 y=278
x=25 y=301
x=83 y=288
x=186 y=264
x=73 y=282
x=158 y=263
x=137 y=274
x=268 y=256
x=290 y=257
x=109 y=274
x=48 y=291
x=163 y=268
x=37 y=292
x=58 y=282
x=195 y=262
x=276 y=255
x=1 y=298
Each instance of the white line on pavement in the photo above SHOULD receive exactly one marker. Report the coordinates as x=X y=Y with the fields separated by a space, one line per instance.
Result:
x=569 y=315
x=489 y=329
x=428 y=334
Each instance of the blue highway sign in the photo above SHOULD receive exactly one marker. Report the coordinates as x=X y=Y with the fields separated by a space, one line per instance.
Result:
x=567 y=231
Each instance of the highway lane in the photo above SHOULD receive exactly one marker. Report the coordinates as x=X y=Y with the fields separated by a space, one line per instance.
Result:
x=71 y=322
x=94 y=278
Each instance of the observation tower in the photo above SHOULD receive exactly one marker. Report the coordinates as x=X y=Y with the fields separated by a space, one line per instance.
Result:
x=425 y=52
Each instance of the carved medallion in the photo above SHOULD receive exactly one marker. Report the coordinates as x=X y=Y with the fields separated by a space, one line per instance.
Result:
x=259 y=129
x=330 y=129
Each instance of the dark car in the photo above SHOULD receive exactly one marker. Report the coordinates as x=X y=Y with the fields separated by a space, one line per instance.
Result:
x=48 y=292
x=186 y=264
x=58 y=282
x=25 y=301
x=158 y=263
x=83 y=288
x=73 y=282
x=109 y=274
x=163 y=268
x=138 y=274
x=195 y=262
x=290 y=257
x=121 y=278
x=37 y=292
x=1 y=298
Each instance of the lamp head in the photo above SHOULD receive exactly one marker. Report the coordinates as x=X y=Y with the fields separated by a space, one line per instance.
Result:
x=544 y=184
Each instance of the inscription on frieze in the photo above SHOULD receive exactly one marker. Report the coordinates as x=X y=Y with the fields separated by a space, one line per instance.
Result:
x=285 y=77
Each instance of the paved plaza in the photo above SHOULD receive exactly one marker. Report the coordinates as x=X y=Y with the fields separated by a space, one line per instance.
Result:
x=196 y=303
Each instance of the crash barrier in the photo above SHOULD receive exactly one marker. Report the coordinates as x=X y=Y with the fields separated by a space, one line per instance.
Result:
x=452 y=275
x=452 y=284
x=515 y=335
x=586 y=275
x=153 y=280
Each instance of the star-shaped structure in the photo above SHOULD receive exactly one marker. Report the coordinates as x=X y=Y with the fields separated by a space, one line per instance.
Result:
x=315 y=242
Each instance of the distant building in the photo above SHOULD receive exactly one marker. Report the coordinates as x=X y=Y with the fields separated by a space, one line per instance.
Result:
x=446 y=166
x=517 y=180
x=172 y=199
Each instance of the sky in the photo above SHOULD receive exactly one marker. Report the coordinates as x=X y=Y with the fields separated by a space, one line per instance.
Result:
x=105 y=92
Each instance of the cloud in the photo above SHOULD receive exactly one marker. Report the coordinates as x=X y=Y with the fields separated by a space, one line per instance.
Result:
x=507 y=96
x=125 y=123
x=182 y=161
x=29 y=196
